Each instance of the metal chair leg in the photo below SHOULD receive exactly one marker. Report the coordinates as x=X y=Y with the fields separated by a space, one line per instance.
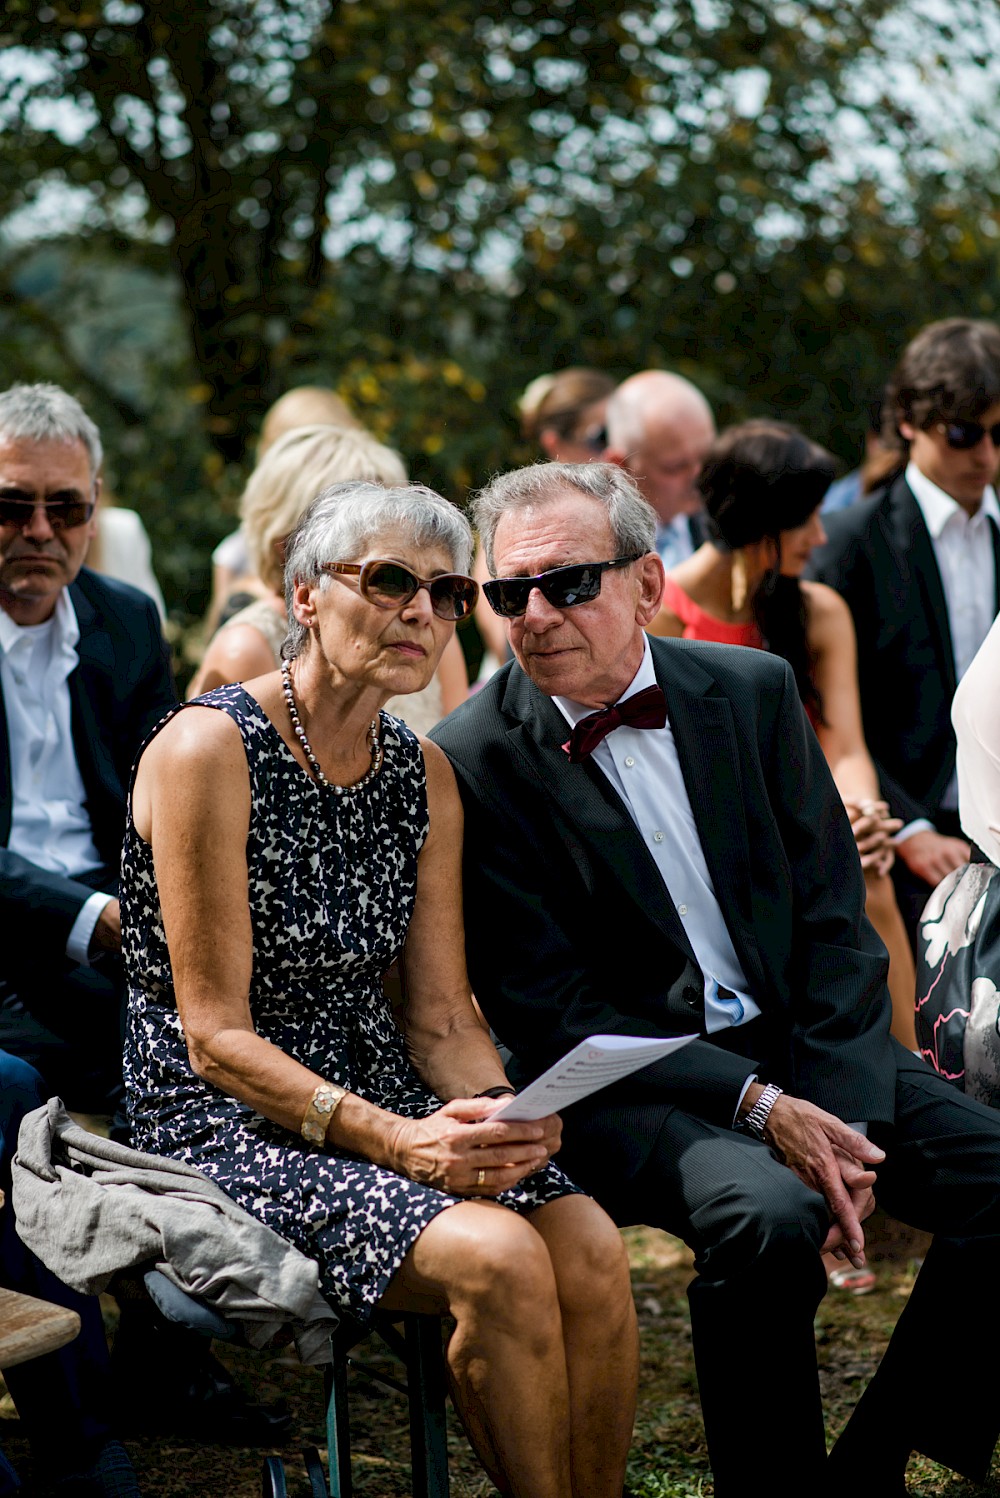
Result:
x=426 y=1394
x=273 y=1483
x=338 y=1427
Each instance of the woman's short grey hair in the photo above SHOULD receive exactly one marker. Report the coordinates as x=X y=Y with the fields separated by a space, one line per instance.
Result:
x=632 y=520
x=347 y=519
x=45 y=413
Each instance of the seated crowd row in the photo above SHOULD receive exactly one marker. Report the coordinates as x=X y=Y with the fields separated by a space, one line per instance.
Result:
x=660 y=838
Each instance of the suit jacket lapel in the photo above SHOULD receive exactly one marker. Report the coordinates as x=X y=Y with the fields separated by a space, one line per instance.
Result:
x=589 y=805
x=86 y=684
x=910 y=540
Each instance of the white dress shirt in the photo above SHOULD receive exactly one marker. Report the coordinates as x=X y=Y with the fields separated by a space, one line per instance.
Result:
x=643 y=767
x=963 y=549
x=49 y=823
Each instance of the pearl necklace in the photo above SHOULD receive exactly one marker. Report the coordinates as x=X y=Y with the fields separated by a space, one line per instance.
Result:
x=374 y=745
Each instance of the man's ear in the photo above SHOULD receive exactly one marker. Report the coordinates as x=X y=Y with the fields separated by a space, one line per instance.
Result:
x=907 y=430
x=651 y=575
x=616 y=456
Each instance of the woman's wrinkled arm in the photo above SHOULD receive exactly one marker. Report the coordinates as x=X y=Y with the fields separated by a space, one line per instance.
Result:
x=192 y=803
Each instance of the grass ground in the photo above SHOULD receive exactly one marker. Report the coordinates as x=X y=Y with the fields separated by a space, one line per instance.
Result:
x=668 y=1454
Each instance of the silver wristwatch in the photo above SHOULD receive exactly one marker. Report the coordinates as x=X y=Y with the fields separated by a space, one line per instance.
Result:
x=755 y=1120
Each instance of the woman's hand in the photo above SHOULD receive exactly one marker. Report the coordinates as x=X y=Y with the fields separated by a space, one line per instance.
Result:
x=873 y=830
x=457 y=1149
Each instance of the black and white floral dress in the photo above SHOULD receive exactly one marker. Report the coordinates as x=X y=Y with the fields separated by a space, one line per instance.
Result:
x=332 y=881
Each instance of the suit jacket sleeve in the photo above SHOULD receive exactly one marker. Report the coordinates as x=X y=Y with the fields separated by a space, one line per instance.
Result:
x=116 y=704
x=835 y=983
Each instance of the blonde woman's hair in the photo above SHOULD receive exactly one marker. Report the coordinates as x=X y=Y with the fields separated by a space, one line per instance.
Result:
x=291 y=474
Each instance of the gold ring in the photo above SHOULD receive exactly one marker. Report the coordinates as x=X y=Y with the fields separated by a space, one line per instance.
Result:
x=480 y=1177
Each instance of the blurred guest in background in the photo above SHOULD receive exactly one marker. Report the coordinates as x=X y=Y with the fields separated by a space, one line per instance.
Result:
x=763 y=484
x=918 y=564
x=280 y=489
x=659 y=429
x=303 y=405
x=121 y=549
x=564 y=414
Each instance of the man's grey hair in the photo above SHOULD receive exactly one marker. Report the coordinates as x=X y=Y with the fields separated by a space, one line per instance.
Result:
x=632 y=520
x=45 y=413
x=346 y=519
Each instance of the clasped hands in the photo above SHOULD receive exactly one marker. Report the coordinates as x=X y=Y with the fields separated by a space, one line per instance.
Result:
x=459 y=1150
x=834 y=1160
x=873 y=830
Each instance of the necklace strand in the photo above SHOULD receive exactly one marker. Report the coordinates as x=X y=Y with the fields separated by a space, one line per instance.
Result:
x=374 y=746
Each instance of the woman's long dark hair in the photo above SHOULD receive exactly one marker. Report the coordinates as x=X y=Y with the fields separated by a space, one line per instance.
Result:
x=761 y=478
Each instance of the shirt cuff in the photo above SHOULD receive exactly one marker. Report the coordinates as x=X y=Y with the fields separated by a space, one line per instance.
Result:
x=920 y=824
x=78 y=943
x=743 y=1092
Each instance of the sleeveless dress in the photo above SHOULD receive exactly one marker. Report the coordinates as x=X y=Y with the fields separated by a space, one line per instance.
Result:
x=332 y=881
x=698 y=625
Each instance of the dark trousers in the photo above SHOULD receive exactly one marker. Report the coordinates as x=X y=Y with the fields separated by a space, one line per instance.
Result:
x=755 y=1230
x=67 y=1021
x=65 y=1391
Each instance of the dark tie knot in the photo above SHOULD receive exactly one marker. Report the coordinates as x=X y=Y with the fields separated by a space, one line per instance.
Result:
x=645 y=709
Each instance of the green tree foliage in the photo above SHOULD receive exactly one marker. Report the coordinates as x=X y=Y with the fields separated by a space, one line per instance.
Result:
x=426 y=205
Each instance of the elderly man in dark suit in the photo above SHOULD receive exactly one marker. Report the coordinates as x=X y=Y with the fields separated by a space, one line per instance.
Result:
x=918 y=564
x=653 y=844
x=84 y=676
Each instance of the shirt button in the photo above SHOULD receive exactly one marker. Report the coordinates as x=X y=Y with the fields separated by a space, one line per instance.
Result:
x=657 y=837
x=629 y=761
x=682 y=910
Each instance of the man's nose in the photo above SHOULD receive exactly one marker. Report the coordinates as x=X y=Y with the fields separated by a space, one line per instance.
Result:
x=539 y=614
x=39 y=527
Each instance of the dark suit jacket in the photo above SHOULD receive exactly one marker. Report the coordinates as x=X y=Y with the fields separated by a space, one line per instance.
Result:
x=119 y=691
x=569 y=929
x=880 y=558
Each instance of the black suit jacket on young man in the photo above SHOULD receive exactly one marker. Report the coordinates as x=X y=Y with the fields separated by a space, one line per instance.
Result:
x=119 y=691
x=880 y=558
x=570 y=931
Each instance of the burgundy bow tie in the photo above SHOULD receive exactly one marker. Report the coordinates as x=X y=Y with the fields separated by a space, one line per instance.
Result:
x=646 y=709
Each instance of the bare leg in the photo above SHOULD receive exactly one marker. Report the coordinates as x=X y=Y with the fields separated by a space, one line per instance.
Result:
x=490 y=1270
x=600 y=1336
x=883 y=912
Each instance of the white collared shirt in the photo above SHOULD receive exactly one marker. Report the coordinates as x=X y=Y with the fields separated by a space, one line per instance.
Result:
x=49 y=822
x=644 y=769
x=963 y=550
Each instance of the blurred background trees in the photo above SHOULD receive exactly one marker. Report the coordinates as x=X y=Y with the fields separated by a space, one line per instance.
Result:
x=424 y=206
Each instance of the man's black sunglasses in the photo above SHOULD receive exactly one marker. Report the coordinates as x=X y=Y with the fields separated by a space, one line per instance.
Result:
x=563 y=587
x=62 y=514
x=964 y=435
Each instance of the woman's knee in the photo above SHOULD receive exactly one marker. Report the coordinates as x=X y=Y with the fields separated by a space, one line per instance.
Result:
x=498 y=1268
x=588 y=1254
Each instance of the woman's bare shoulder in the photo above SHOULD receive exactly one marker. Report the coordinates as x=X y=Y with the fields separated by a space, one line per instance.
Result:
x=195 y=738
x=828 y=614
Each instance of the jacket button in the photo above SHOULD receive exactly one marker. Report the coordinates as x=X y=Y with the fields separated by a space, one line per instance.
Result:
x=691 y=996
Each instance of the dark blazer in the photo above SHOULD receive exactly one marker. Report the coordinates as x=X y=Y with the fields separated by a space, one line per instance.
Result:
x=880 y=558
x=569 y=929
x=119 y=691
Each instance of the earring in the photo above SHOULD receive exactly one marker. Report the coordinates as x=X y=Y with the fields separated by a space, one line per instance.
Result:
x=738 y=582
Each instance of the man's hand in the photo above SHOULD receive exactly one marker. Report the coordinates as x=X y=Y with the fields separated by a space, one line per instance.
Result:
x=830 y=1157
x=931 y=856
x=107 y=935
